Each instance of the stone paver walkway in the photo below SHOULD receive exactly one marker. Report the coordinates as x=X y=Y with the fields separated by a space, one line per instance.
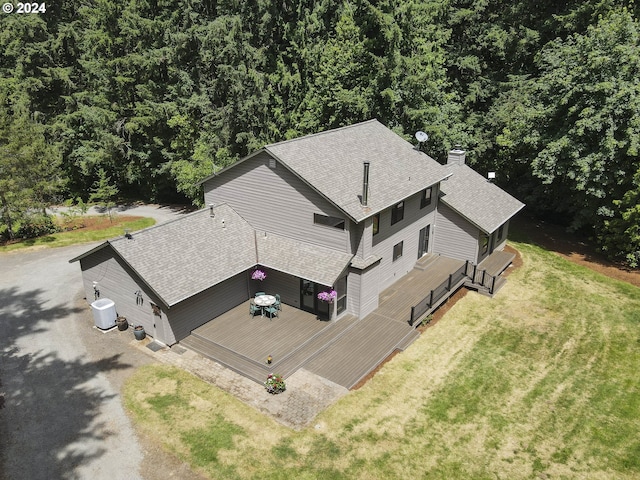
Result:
x=306 y=395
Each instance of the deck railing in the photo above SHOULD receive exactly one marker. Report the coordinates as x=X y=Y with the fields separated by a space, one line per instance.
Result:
x=437 y=293
x=483 y=279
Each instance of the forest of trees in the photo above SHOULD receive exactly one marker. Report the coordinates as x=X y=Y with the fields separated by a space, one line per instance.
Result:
x=149 y=96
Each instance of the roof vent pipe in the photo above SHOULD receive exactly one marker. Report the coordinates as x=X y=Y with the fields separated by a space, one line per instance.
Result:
x=365 y=185
x=211 y=214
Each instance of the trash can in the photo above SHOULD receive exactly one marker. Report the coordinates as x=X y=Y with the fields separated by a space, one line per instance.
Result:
x=104 y=313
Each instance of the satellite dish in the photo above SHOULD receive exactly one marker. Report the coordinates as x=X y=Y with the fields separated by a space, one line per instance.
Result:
x=421 y=136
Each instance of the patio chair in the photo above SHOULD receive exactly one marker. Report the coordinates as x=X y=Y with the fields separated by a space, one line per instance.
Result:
x=253 y=309
x=271 y=311
x=278 y=305
x=258 y=294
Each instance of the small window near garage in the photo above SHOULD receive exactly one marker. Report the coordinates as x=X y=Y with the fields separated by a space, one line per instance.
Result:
x=376 y=223
x=397 y=213
x=327 y=221
x=425 y=199
x=397 y=251
x=500 y=232
x=485 y=244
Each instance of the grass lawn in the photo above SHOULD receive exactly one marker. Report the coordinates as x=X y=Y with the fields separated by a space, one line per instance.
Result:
x=540 y=382
x=93 y=229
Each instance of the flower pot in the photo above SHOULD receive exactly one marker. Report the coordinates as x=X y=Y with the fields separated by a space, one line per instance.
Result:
x=139 y=332
x=122 y=324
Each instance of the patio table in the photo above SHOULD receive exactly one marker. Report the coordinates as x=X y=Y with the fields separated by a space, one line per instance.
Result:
x=264 y=300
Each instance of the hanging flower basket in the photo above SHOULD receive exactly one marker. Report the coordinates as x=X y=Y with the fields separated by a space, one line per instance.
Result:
x=275 y=383
x=258 y=275
x=328 y=296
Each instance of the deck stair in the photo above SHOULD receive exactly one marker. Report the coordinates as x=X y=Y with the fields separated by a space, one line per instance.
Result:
x=226 y=357
x=487 y=277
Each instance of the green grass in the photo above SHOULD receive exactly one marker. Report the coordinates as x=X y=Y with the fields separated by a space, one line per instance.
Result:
x=541 y=380
x=63 y=239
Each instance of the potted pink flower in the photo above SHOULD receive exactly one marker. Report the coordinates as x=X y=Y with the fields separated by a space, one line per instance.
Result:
x=328 y=296
x=258 y=275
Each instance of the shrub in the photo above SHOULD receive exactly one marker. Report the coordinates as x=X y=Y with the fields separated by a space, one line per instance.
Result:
x=36 y=225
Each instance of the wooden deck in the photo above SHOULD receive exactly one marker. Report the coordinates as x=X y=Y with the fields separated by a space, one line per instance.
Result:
x=397 y=300
x=497 y=262
x=343 y=351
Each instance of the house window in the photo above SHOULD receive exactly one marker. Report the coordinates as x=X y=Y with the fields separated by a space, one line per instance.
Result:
x=500 y=232
x=376 y=223
x=485 y=244
x=425 y=199
x=397 y=213
x=334 y=222
x=341 y=301
x=397 y=251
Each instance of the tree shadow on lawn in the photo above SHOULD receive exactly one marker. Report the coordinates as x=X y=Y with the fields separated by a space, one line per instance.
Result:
x=48 y=425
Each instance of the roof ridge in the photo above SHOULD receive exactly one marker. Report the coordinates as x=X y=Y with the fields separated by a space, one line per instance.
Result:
x=332 y=130
x=168 y=222
x=111 y=240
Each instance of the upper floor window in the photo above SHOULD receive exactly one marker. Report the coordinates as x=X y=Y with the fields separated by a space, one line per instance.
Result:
x=397 y=213
x=334 y=222
x=376 y=223
x=425 y=199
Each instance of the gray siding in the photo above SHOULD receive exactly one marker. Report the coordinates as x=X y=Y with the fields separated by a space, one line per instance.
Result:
x=370 y=290
x=353 y=292
x=119 y=283
x=358 y=233
x=363 y=291
x=453 y=236
x=207 y=305
x=284 y=284
x=275 y=200
x=365 y=247
x=405 y=231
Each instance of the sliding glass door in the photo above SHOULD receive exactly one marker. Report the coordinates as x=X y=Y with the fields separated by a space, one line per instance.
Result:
x=309 y=301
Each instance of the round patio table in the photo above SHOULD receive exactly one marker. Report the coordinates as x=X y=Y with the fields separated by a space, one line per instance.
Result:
x=264 y=300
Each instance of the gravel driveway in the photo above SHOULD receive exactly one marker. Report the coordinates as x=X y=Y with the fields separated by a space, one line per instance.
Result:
x=61 y=377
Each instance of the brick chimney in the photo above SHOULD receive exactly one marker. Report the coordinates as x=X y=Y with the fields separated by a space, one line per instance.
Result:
x=456 y=156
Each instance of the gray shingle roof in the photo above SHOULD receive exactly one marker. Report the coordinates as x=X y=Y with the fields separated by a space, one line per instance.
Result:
x=484 y=204
x=332 y=162
x=312 y=262
x=183 y=257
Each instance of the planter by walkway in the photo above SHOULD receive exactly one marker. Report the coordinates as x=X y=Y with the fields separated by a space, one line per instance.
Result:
x=275 y=384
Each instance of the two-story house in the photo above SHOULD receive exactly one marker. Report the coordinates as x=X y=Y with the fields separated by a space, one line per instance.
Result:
x=351 y=209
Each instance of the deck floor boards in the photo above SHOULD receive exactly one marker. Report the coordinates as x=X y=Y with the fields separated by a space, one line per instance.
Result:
x=495 y=263
x=343 y=351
